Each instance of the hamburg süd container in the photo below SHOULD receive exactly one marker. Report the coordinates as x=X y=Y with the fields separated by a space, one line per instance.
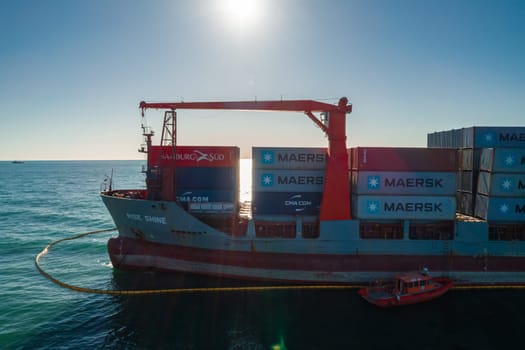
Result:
x=405 y=183
x=405 y=207
x=194 y=156
x=268 y=180
x=403 y=159
x=503 y=160
x=500 y=209
x=502 y=184
x=289 y=158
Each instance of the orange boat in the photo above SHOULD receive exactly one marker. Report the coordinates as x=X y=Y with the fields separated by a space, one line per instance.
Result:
x=410 y=288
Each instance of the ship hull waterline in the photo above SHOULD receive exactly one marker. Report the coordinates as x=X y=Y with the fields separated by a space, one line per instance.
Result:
x=165 y=237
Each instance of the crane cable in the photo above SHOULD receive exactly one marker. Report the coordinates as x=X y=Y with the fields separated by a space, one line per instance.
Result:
x=209 y=289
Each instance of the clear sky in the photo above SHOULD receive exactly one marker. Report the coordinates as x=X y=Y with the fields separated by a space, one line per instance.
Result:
x=73 y=72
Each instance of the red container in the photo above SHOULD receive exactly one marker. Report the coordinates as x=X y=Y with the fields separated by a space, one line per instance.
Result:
x=403 y=159
x=194 y=156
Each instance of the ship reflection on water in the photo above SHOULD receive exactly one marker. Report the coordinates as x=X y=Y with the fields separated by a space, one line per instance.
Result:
x=303 y=319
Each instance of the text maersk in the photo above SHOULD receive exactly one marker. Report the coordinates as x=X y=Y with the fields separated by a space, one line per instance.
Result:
x=301 y=157
x=300 y=180
x=413 y=182
x=413 y=207
x=509 y=137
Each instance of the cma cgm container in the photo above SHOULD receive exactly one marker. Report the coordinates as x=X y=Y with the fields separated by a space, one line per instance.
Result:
x=406 y=183
x=502 y=184
x=286 y=203
x=289 y=158
x=493 y=137
x=220 y=178
x=503 y=160
x=403 y=159
x=405 y=207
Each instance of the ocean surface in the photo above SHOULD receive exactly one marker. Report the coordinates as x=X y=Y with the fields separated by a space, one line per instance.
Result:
x=43 y=201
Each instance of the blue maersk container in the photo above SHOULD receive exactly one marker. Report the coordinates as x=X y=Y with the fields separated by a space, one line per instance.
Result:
x=289 y=158
x=502 y=184
x=500 y=209
x=269 y=180
x=405 y=207
x=493 y=137
x=405 y=183
x=503 y=160
x=287 y=181
x=478 y=137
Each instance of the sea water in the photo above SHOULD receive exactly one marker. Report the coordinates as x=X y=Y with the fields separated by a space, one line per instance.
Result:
x=41 y=202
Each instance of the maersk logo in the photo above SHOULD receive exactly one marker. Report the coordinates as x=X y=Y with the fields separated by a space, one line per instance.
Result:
x=506 y=185
x=267 y=157
x=504 y=208
x=372 y=207
x=267 y=180
x=489 y=138
x=509 y=160
x=373 y=182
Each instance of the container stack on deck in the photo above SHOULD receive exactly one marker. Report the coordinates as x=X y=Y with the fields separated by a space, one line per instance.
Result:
x=206 y=180
x=501 y=185
x=483 y=153
x=287 y=190
x=497 y=184
x=468 y=164
x=403 y=191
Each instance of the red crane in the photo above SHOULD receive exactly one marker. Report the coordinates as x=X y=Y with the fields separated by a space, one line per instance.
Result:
x=335 y=204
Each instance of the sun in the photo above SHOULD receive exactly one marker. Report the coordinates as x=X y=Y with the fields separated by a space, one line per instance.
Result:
x=242 y=13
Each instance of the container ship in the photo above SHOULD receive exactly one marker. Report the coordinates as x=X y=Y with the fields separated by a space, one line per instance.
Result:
x=327 y=215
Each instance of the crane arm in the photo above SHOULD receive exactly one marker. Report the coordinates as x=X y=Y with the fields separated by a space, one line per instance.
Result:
x=284 y=106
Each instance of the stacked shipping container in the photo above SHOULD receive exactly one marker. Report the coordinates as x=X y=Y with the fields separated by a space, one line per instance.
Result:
x=287 y=187
x=501 y=185
x=391 y=185
x=490 y=170
x=206 y=179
